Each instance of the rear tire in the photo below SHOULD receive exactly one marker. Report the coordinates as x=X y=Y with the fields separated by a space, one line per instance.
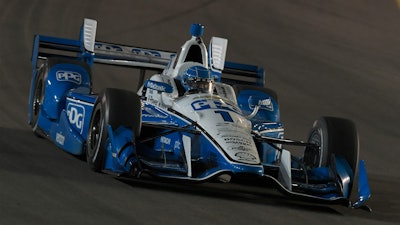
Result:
x=37 y=99
x=40 y=89
x=116 y=108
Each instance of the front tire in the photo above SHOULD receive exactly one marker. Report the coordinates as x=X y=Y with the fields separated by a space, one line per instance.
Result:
x=116 y=108
x=335 y=136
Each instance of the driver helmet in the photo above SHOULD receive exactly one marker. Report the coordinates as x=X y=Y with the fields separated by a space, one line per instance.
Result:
x=197 y=78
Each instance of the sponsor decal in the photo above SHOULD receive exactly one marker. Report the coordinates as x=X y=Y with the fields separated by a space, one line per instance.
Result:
x=165 y=140
x=69 y=76
x=203 y=104
x=245 y=156
x=158 y=86
x=108 y=47
x=60 y=139
x=240 y=148
x=126 y=49
x=238 y=140
x=153 y=113
x=177 y=145
x=265 y=104
x=76 y=115
x=139 y=51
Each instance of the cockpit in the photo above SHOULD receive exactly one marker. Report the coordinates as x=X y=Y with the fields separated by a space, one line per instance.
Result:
x=193 y=70
x=197 y=79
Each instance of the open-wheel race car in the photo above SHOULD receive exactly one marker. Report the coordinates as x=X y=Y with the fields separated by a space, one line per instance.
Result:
x=197 y=118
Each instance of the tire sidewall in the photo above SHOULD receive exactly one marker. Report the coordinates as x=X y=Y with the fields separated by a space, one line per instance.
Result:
x=335 y=136
x=115 y=107
x=95 y=146
x=38 y=98
x=319 y=136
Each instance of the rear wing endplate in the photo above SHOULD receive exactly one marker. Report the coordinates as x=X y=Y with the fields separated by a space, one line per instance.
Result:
x=230 y=72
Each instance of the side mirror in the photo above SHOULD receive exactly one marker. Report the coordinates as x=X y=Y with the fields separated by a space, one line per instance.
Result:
x=158 y=86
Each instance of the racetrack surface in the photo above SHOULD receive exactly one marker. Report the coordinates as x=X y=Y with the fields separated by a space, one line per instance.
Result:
x=338 y=58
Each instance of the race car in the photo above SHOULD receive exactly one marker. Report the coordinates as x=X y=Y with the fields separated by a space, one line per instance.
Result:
x=198 y=118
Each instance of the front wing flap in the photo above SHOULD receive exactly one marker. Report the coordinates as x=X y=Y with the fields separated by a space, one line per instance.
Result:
x=326 y=192
x=364 y=192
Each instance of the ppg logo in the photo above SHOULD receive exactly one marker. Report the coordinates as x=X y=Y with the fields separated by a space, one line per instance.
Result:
x=76 y=115
x=69 y=76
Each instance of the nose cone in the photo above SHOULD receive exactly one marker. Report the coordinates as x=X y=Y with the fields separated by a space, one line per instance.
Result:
x=221 y=121
x=197 y=30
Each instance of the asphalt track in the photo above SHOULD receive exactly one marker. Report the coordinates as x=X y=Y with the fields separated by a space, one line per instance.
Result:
x=336 y=57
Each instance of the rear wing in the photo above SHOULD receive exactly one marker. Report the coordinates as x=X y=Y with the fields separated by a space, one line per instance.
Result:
x=237 y=73
x=115 y=54
x=90 y=51
x=231 y=72
x=103 y=52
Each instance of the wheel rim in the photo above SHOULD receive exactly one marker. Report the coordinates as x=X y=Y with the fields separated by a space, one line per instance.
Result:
x=316 y=137
x=37 y=100
x=96 y=132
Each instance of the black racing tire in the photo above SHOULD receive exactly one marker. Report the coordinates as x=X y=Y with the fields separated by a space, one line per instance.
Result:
x=37 y=99
x=114 y=107
x=335 y=136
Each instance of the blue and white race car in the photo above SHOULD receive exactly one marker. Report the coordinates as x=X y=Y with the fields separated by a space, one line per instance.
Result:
x=197 y=118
